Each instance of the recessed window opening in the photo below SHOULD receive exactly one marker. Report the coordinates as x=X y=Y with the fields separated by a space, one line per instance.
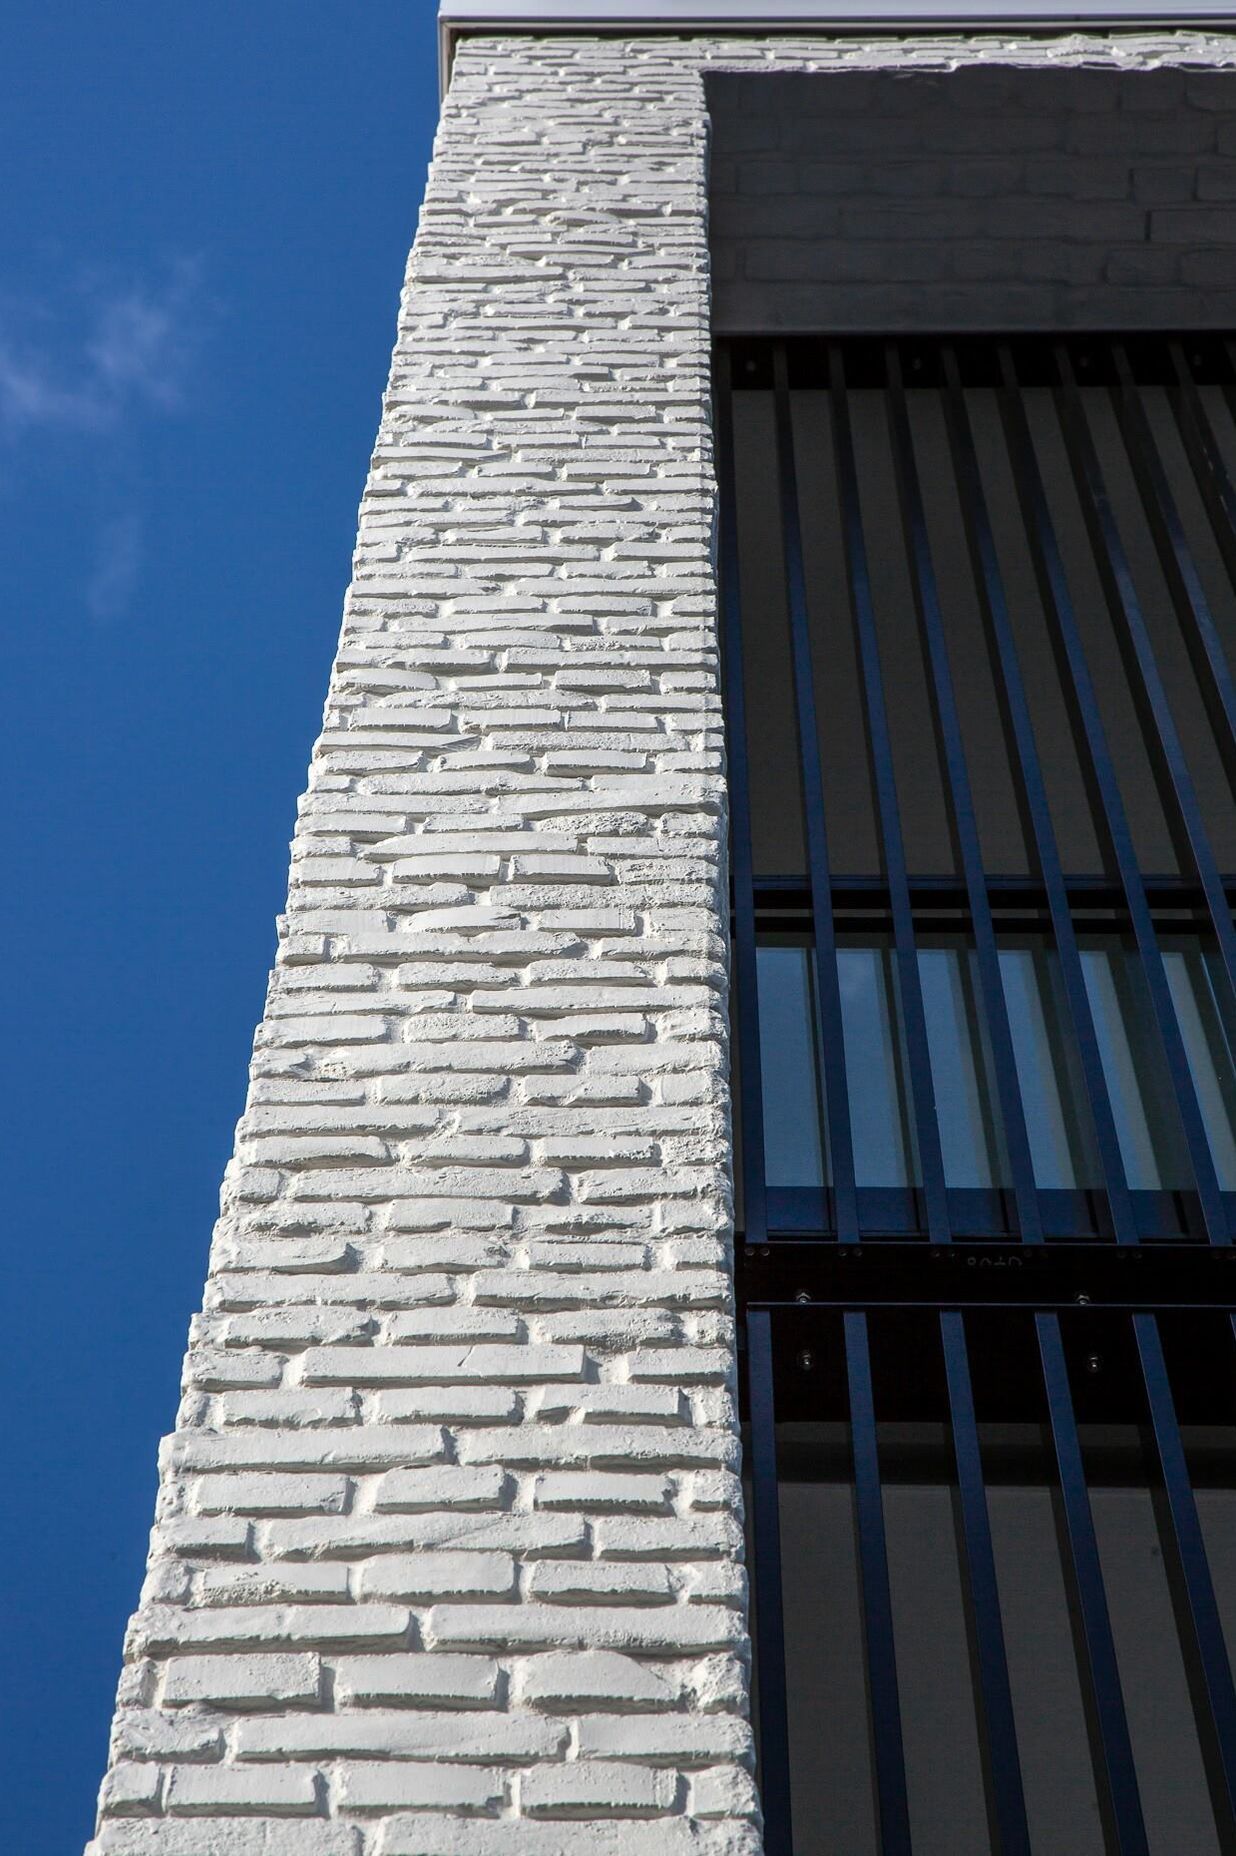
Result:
x=973 y=756
x=984 y=992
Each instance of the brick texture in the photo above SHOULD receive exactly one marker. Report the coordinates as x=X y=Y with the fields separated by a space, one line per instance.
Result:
x=448 y=1554
x=995 y=195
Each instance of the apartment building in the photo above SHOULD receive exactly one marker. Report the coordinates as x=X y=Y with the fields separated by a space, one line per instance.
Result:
x=719 y=1335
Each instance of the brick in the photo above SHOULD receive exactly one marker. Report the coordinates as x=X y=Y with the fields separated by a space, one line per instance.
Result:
x=145 y=1734
x=358 y=1447
x=640 y=1537
x=411 y=1490
x=294 y=1328
x=613 y=1404
x=593 y=1678
x=603 y=1446
x=532 y=1535
x=276 y=1409
x=369 y=1289
x=425 y=1575
x=682 y=1365
x=668 y=1629
x=243 y=1681
x=383 y=1785
x=686 y=1288
x=593 y=1788
x=470 y=1325
x=208 y=1791
x=214 y=1369
x=663 y=1836
x=724 y=1791
x=1192 y=225
x=221 y=1536
x=132 y=1790
x=466 y=1404
x=167 y=1628
x=316 y=1149
x=600 y=1493
x=257 y=1494
x=269 y=1583
x=340 y=1028
x=678 y=1739
x=456 y=1736
x=434 y=1365
x=251 y=1836
x=422 y=1681
x=586 y=1582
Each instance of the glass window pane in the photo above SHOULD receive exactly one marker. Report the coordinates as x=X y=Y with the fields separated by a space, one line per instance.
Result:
x=1062 y=1149
x=883 y=1149
x=1151 y=1144
x=792 y=1143
x=1209 y=1053
x=969 y=1138
x=1057 y=1122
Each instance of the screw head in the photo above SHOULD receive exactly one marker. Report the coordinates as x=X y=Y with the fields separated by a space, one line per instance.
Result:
x=806 y=1359
x=1094 y=1363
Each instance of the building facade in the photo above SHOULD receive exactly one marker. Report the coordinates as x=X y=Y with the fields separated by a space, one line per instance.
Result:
x=764 y=341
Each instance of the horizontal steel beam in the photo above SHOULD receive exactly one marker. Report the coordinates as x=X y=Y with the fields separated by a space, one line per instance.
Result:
x=963 y=1275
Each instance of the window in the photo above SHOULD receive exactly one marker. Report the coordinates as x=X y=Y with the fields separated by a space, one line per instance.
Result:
x=980 y=608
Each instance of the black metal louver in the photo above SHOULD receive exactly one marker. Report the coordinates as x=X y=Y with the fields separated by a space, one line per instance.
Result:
x=980 y=608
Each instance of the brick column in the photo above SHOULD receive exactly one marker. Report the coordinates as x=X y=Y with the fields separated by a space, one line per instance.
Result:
x=449 y=1542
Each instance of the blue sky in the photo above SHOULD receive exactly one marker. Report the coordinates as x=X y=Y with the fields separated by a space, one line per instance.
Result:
x=203 y=225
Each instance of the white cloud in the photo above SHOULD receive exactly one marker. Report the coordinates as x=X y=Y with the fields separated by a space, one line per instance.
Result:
x=113 y=579
x=143 y=341
x=91 y=360
x=97 y=353
x=31 y=396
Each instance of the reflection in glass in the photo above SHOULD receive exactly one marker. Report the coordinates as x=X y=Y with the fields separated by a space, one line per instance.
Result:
x=792 y=1140
x=875 y=1073
x=1147 y=1126
x=1062 y=1151
x=1062 y=1148
x=1191 y=982
x=969 y=1137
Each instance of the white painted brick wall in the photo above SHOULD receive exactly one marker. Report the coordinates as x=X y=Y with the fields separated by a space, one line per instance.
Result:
x=447 y=1559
